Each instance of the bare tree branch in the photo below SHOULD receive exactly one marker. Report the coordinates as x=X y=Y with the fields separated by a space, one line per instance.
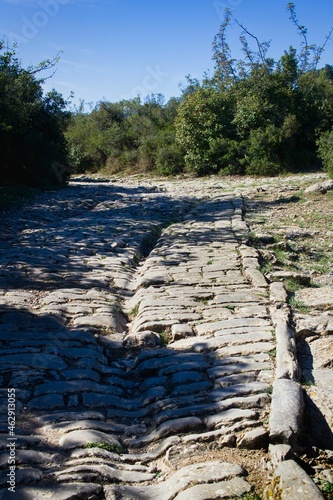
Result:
x=262 y=47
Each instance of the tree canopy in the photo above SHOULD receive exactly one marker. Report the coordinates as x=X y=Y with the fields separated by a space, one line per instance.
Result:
x=32 y=142
x=257 y=115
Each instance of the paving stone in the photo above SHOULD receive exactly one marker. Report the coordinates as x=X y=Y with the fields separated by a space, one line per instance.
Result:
x=238 y=378
x=99 y=320
x=182 y=377
x=197 y=407
x=28 y=456
x=286 y=412
x=290 y=483
x=191 y=388
x=236 y=298
x=206 y=328
x=254 y=440
x=70 y=415
x=103 y=472
x=57 y=491
x=48 y=402
x=228 y=417
x=74 y=386
x=79 y=438
x=169 y=427
x=98 y=425
x=198 y=365
x=244 y=349
x=228 y=369
x=279 y=452
x=201 y=473
x=150 y=365
x=37 y=360
x=81 y=375
x=22 y=475
x=235 y=487
x=146 y=338
x=17 y=318
x=278 y=293
x=22 y=441
x=238 y=389
x=181 y=330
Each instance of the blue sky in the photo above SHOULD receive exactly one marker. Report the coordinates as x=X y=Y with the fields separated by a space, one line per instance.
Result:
x=117 y=49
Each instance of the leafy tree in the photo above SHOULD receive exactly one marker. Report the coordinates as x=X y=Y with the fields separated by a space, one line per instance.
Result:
x=205 y=131
x=32 y=143
x=126 y=135
x=255 y=115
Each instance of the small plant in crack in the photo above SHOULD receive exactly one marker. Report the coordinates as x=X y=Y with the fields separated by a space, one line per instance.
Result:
x=114 y=448
x=272 y=353
x=230 y=307
x=298 y=306
x=249 y=496
x=292 y=285
x=306 y=382
x=203 y=300
x=164 y=338
x=326 y=488
x=269 y=390
x=118 y=308
x=266 y=267
x=134 y=311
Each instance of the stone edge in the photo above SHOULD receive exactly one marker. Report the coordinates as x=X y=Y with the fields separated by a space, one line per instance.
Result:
x=286 y=469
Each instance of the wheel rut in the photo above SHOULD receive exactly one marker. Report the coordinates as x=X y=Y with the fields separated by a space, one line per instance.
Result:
x=138 y=335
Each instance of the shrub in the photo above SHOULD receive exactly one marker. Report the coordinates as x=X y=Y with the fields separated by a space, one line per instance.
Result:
x=325 y=151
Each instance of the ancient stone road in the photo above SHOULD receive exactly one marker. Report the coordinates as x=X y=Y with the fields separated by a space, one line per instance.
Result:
x=135 y=328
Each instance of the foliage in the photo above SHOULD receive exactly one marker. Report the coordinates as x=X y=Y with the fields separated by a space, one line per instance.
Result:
x=126 y=135
x=325 y=150
x=254 y=116
x=258 y=116
x=32 y=143
x=204 y=130
x=326 y=488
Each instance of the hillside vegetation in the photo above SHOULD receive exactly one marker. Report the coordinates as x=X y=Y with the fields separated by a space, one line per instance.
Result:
x=254 y=116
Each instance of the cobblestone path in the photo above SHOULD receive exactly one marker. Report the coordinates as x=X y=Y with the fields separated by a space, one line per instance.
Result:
x=138 y=335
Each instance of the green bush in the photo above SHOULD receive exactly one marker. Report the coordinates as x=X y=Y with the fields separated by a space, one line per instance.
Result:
x=170 y=160
x=33 y=149
x=325 y=151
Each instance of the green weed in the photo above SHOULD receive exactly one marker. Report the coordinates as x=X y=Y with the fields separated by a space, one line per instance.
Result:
x=327 y=489
x=134 y=311
x=164 y=338
x=299 y=306
x=306 y=382
x=231 y=308
x=249 y=496
x=114 y=448
x=292 y=285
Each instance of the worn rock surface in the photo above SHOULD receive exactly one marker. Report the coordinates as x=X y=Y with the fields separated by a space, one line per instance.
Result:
x=133 y=320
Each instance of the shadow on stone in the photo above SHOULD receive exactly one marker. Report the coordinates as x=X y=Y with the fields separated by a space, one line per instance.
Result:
x=317 y=432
